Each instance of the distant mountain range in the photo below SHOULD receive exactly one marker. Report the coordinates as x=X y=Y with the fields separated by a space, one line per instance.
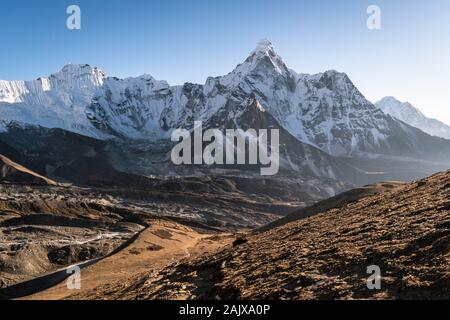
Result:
x=328 y=129
x=406 y=112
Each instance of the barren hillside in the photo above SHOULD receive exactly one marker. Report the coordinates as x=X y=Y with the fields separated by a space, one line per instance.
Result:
x=406 y=232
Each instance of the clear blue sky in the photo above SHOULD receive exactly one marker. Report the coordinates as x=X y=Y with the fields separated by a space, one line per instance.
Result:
x=188 y=40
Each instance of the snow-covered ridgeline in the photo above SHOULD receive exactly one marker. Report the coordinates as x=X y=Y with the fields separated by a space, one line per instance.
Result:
x=325 y=110
x=409 y=114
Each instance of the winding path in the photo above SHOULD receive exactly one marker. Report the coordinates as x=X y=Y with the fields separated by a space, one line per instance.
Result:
x=159 y=245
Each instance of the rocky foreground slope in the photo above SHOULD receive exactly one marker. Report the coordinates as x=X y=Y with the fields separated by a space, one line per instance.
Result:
x=405 y=231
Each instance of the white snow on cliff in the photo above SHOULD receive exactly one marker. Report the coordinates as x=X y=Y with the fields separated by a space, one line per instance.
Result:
x=409 y=114
x=325 y=110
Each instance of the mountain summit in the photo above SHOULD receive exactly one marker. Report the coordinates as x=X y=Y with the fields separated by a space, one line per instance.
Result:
x=263 y=46
x=406 y=112
x=263 y=62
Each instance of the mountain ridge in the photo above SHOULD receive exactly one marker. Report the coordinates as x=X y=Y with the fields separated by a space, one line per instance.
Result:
x=325 y=111
x=411 y=115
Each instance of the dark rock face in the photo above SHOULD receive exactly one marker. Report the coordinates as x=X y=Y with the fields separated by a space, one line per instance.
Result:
x=68 y=255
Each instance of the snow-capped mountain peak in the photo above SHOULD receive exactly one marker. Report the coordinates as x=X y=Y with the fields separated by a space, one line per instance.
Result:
x=411 y=115
x=398 y=109
x=262 y=61
x=265 y=55
x=325 y=110
x=80 y=69
x=59 y=100
x=71 y=77
x=81 y=74
x=264 y=47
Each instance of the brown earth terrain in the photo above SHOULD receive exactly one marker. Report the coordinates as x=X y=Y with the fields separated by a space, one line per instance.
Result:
x=192 y=238
x=159 y=245
x=404 y=231
x=47 y=226
x=335 y=202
